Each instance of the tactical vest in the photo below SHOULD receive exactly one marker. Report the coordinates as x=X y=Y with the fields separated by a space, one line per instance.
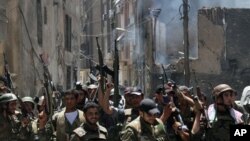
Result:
x=63 y=131
x=84 y=135
x=158 y=132
x=220 y=130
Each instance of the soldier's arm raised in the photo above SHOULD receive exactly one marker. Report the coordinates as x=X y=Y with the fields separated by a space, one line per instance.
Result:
x=196 y=125
x=167 y=110
x=100 y=96
x=106 y=107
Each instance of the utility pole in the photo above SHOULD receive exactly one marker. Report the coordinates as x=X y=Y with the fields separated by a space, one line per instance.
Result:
x=116 y=55
x=155 y=12
x=186 y=43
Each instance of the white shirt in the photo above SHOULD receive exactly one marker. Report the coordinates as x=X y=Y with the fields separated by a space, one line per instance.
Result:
x=71 y=116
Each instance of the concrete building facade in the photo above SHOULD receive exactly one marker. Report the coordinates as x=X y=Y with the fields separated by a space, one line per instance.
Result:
x=47 y=28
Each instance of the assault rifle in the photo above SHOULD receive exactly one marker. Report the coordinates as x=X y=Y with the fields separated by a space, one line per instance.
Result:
x=175 y=101
x=101 y=64
x=199 y=96
x=116 y=75
x=9 y=84
x=48 y=85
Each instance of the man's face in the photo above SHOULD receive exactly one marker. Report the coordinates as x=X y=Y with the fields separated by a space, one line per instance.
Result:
x=92 y=115
x=149 y=118
x=12 y=107
x=81 y=96
x=228 y=98
x=28 y=107
x=159 y=97
x=134 y=100
x=70 y=101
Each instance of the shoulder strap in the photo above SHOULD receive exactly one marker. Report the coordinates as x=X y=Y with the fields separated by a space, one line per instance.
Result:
x=102 y=129
x=80 y=132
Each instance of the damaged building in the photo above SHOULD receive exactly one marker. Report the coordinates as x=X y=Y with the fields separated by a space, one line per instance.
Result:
x=223 y=52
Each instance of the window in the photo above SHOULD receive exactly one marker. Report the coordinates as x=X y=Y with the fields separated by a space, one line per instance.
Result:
x=67 y=32
x=45 y=15
x=68 y=79
x=39 y=23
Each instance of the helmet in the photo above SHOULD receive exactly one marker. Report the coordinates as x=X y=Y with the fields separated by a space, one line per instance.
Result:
x=7 y=97
x=28 y=99
x=220 y=89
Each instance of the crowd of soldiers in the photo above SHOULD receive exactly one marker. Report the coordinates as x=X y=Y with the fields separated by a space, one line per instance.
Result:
x=88 y=113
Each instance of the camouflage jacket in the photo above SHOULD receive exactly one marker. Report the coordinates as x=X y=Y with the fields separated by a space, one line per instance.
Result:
x=11 y=128
x=139 y=130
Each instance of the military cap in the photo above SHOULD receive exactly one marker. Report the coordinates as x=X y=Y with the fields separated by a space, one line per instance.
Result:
x=133 y=90
x=149 y=106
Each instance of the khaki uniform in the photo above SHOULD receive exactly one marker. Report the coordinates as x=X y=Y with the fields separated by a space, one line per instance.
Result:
x=139 y=130
x=84 y=133
x=64 y=129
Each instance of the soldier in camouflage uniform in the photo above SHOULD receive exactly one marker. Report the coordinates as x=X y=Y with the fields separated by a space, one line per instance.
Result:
x=13 y=126
x=146 y=127
x=91 y=130
x=221 y=114
x=29 y=106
